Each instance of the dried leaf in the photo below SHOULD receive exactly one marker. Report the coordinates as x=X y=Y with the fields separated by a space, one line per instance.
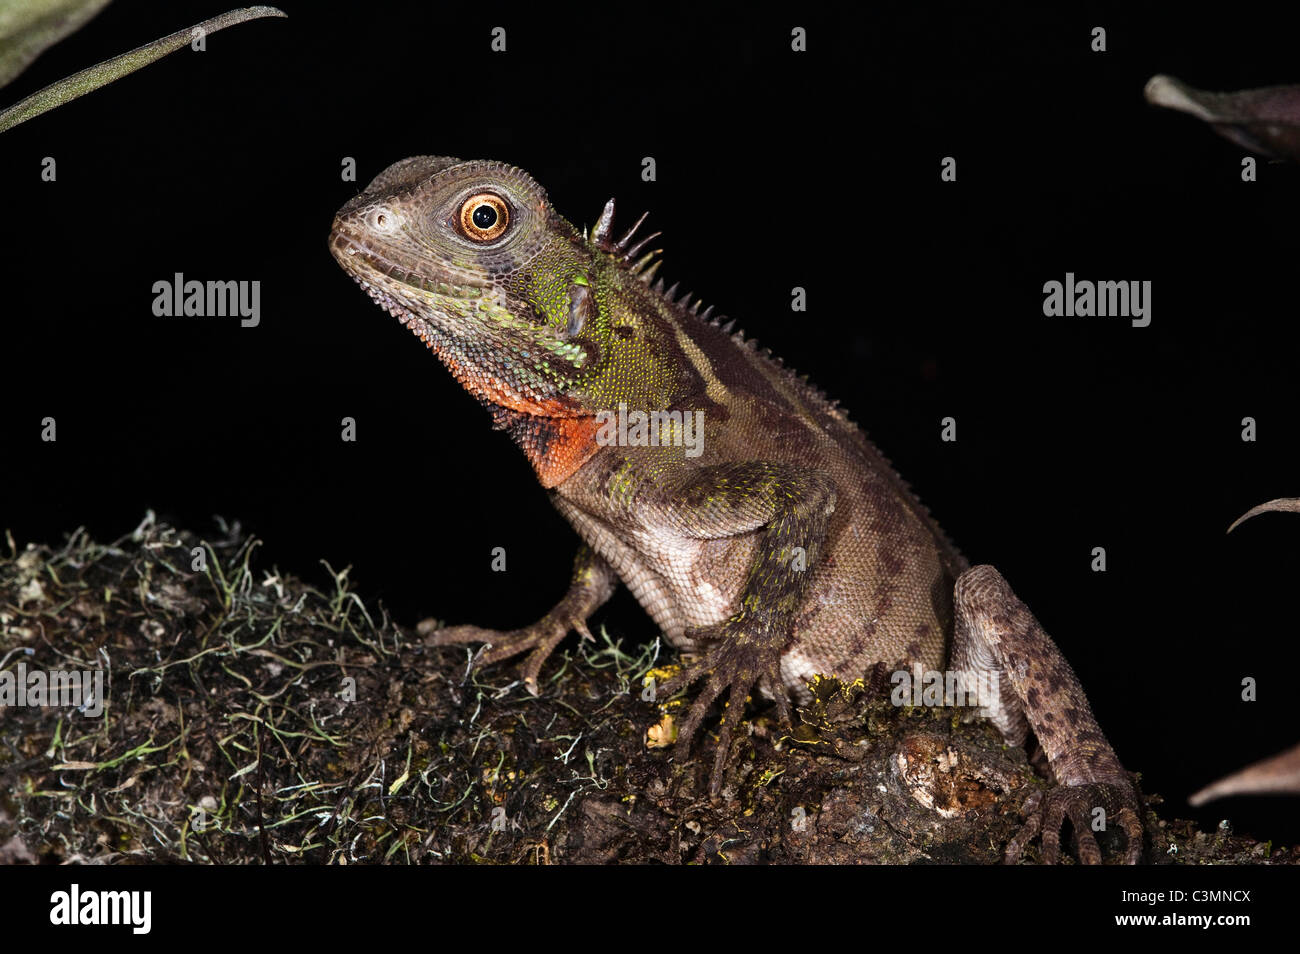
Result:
x=1263 y=120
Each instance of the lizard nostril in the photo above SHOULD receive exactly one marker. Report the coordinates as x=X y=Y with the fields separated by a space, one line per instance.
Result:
x=380 y=219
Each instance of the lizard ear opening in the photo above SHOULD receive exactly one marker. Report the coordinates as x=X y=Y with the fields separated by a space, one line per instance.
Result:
x=582 y=306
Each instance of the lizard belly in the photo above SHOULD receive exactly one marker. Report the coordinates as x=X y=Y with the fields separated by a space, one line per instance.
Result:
x=680 y=582
x=883 y=597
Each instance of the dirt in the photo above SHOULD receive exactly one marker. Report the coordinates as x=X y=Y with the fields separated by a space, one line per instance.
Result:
x=249 y=718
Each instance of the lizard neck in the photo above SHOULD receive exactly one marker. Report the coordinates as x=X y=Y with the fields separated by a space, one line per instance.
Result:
x=555 y=446
x=554 y=432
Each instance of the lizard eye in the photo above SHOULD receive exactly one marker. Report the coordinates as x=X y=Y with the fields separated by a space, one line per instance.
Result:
x=483 y=217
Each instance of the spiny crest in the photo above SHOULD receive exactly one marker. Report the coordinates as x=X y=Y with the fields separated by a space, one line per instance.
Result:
x=600 y=236
x=645 y=267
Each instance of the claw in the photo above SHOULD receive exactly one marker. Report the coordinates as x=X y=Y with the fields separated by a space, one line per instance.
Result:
x=734 y=668
x=1044 y=817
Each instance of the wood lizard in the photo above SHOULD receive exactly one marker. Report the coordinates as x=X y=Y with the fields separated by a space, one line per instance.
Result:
x=748 y=515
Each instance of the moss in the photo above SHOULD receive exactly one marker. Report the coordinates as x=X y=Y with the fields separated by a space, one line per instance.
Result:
x=253 y=718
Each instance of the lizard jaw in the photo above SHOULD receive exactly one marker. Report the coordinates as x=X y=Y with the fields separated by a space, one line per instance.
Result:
x=392 y=287
x=437 y=312
x=357 y=259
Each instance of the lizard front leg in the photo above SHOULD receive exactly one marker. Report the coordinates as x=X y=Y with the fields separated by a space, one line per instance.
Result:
x=592 y=584
x=995 y=633
x=790 y=508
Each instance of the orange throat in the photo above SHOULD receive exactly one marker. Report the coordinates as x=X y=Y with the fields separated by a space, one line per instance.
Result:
x=556 y=437
x=560 y=447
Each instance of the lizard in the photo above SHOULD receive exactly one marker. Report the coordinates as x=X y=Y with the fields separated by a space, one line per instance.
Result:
x=778 y=545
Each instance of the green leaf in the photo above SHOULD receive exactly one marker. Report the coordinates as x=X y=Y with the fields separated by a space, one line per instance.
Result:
x=46 y=31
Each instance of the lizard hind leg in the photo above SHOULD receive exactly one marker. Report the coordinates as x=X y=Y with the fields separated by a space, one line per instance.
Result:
x=997 y=641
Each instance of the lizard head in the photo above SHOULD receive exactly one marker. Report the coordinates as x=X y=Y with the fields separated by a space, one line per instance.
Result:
x=466 y=254
x=543 y=323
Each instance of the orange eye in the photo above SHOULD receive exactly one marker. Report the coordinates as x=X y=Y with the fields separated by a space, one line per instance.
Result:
x=484 y=217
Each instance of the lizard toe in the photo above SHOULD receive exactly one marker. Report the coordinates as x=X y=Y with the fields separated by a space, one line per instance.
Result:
x=451 y=635
x=1028 y=832
x=735 y=667
x=699 y=709
x=1046 y=815
x=538 y=640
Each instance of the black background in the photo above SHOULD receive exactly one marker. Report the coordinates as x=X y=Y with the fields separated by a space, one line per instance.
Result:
x=775 y=169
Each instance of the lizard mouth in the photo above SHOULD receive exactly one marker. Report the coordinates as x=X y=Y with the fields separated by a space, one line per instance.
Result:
x=365 y=268
x=362 y=262
x=442 y=314
x=410 y=297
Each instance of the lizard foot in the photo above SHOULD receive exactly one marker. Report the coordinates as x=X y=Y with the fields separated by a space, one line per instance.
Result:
x=741 y=655
x=590 y=587
x=1045 y=814
x=538 y=640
